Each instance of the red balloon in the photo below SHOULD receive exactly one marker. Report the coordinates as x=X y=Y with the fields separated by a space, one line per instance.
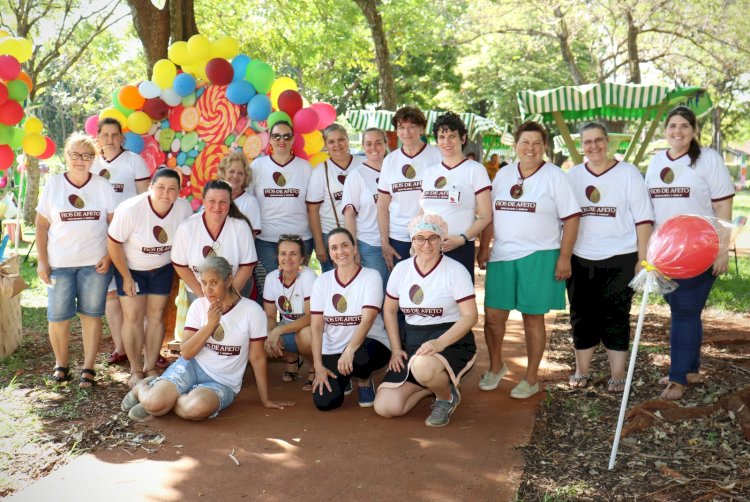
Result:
x=220 y=71
x=11 y=112
x=3 y=93
x=305 y=121
x=290 y=102
x=156 y=108
x=174 y=118
x=49 y=150
x=684 y=246
x=326 y=114
x=9 y=67
x=6 y=157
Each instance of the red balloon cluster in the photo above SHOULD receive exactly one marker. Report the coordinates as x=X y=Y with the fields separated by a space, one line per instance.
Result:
x=684 y=246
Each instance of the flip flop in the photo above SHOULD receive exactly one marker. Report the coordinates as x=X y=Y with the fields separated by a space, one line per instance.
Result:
x=673 y=391
x=292 y=375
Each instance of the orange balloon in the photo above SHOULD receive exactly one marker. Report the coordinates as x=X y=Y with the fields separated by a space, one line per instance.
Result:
x=24 y=77
x=130 y=97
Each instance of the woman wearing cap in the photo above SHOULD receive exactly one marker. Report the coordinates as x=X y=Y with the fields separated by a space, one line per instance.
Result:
x=459 y=189
x=436 y=295
x=140 y=243
x=71 y=235
x=348 y=336
x=280 y=183
x=360 y=202
x=400 y=183
x=223 y=331
x=530 y=260
x=286 y=300
x=616 y=223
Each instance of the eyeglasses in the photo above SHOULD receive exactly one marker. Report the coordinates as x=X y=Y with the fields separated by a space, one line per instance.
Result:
x=286 y=136
x=591 y=142
x=81 y=156
x=419 y=240
x=290 y=237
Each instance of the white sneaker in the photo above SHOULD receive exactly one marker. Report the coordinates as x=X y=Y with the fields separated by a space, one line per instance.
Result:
x=523 y=390
x=491 y=380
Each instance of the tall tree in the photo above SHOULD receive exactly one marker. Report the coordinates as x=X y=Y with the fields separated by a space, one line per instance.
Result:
x=386 y=83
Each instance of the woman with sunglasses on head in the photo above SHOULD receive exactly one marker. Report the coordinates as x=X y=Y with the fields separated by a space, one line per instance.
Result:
x=140 y=243
x=436 y=294
x=324 y=195
x=348 y=337
x=530 y=259
x=615 y=226
x=73 y=213
x=459 y=189
x=280 y=183
x=704 y=187
x=286 y=301
x=220 y=230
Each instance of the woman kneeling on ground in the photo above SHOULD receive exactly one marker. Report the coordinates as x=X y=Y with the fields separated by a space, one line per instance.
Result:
x=221 y=329
x=436 y=294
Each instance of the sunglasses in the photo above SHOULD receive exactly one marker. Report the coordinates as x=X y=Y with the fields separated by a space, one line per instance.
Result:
x=286 y=136
x=81 y=156
x=290 y=237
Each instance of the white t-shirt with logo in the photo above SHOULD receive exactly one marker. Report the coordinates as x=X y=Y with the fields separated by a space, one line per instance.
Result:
x=194 y=242
x=677 y=188
x=429 y=297
x=122 y=172
x=612 y=205
x=452 y=192
x=146 y=237
x=289 y=299
x=281 y=192
x=401 y=178
x=320 y=192
x=341 y=306
x=248 y=205
x=361 y=193
x=529 y=219
x=77 y=215
x=225 y=354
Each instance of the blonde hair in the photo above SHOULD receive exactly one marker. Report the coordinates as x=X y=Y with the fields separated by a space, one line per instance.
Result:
x=79 y=138
x=235 y=156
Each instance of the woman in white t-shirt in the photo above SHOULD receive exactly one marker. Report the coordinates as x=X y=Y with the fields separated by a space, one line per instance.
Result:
x=348 y=336
x=73 y=213
x=140 y=243
x=436 y=295
x=326 y=189
x=530 y=259
x=360 y=202
x=688 y=179
x=223 y=331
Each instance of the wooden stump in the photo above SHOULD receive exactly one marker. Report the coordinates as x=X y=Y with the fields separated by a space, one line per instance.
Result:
x=10 y=315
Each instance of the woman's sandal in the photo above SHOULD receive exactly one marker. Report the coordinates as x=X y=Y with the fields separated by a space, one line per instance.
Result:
x=290 y=376
x=86 y=382
x=60 y=379
x=308 y=386
x=579 y=381
x=673 y=392
x=615 y=385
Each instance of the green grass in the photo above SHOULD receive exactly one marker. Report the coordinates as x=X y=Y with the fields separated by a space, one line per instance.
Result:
x=741 y=204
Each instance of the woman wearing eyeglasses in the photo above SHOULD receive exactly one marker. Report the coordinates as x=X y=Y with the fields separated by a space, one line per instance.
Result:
x=530 y=259
x=436 y=295
x=220 y=230
x=616 y=223
x=286 y=301
x=280 y=183
x=74 y=211
x=324 y=195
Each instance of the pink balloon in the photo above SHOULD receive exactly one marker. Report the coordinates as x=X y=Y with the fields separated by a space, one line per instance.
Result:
x=305 y=121
x=195 y=204
x=92 y=125
x=298 y=146
x=3 y=181
x=326 y=114
x=9 y=67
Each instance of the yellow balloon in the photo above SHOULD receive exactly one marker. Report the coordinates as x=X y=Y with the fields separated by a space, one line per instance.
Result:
x=4 y=34
x=199 y=47
x=225 y=47
x=318 y=158
x=139 y=122
x=34 y=144
x=26 y=49
x=32 y=125
x=200 y=70
x=280 y=85
x=115 y=114
x=164 y=73
x=10 y=46
x=179 y=53
x=313 y=142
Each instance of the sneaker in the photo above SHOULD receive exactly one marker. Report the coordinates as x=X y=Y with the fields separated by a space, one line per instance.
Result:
x=366 y=394
x=138 y=412
x=442 y=410
x=491 y=380
x=129 y=401
x=348 y=389
x=523 y=390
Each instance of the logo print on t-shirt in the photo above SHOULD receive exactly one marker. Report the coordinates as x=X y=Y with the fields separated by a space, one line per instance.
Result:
x=667 y=175
x=440 y=182
x=160 y=235
x=416 y=295
x=208 y=251
x=279 y=179
x=218 y=334
x=593 y=194
x=342 y=178
x=104 y=173
x=516 y=191
x=284 y=304
x=408 y=171
x=339 y=303
x=76 y=201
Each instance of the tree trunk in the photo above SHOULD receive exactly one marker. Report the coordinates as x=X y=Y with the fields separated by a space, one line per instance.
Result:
x=716 y=139
x=181 y=20
x=386 y=84
x=153 y=28
x=32 y=190
x=634 y=61
x=563 y=37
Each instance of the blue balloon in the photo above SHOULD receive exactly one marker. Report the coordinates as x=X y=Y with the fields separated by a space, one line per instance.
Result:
x=240 y=92
x=199 y=92
x=259 y=107
x=133 y=142
x=184 y=84
x=181 y=157
x=239 y=63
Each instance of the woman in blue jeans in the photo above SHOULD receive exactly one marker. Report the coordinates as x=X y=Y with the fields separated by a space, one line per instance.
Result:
x=705 y=188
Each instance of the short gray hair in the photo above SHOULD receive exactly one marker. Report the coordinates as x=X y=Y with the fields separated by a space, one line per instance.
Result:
x=332 y=128
x=217 y=264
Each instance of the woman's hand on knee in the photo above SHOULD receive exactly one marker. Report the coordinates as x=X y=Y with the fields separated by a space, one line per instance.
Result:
x=430 y=348
x=398 y=357
x=321 y=379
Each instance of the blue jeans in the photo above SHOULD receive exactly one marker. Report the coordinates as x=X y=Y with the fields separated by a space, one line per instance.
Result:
x=402 y=248
x=268 y=254
x=372 y=257
x=686 y=332
x=77 y=289
x=187 y=374
x=325 y=266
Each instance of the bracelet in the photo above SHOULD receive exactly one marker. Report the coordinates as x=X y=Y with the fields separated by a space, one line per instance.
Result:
x=466 y=239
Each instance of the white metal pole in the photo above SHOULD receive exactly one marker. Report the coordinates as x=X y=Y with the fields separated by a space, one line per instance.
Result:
x=19 y=216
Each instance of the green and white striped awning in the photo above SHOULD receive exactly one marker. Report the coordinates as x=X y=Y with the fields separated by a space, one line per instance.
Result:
x=475 y=124
x=609 y=101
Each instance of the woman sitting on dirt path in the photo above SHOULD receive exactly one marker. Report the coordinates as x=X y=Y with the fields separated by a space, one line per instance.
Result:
x=140 y=242
x=348 y=336
x=222 y=332
x=286 y=294
x=704 y=181
x=74 y=211
x=612 y=238
x=436 y=294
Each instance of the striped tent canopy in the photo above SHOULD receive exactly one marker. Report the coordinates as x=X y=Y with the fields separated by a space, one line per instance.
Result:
x=609 y=101
x=498 y=144
x=618 y=143
x=476 y=124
